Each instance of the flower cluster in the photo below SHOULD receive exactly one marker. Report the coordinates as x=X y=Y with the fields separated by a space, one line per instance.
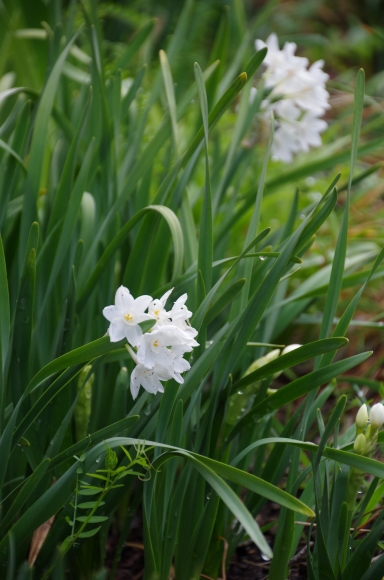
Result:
x=298 y=97
x=159 y=351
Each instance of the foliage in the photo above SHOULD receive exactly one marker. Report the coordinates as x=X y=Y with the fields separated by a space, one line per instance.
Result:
x=119 y=167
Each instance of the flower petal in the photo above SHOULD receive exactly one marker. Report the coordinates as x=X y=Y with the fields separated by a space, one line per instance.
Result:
x=112 y=313
x=116 y=331
x=165 y=296
x=121 y=293
x=142 y=302
x=135 y=385
x=133 y=334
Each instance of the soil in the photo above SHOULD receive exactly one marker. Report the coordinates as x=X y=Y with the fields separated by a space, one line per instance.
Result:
x=247 y=563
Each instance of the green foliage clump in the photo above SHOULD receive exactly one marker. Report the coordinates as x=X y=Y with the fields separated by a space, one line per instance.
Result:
x=119 y=167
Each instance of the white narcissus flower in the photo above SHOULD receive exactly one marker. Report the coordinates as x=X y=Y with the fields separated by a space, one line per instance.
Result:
x=155 y=344
x=125 y=316
x=298 y=97
x=160 y=351
x=147 y=378
x=157 y=308
x=376 y=416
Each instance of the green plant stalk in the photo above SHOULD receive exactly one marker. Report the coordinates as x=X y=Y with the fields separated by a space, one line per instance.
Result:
x=356 y=476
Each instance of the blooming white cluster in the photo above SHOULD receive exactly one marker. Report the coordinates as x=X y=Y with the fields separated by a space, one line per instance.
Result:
x=298 y=97
x=159 y=354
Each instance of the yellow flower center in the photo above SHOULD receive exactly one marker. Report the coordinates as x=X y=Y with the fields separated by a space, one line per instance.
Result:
x=155 y=343
x=156 y=312
x=128 y=317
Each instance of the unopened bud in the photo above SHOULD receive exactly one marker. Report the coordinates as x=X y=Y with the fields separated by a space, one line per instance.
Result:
x=362 y=417
x=290 y=347
x=360 y=444
x=376 y=416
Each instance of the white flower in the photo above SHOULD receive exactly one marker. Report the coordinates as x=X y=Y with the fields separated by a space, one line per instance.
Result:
x=159 y=355
x=154 y=346
x=178 y=316
x=297 y=96
x=167 y=366
x=376 y=416
x=362 y=417
x=295 y=131
x=280 y=62
x=157 y=308
x=180 y=313
x=125 y=316
x=147 y=378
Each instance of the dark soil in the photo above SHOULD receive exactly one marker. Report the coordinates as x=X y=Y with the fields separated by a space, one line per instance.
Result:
x=247 y=562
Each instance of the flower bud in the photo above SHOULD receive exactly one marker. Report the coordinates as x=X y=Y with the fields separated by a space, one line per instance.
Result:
x=290 y=347
x=360 y=444
x=376 y=416
x=362 y=417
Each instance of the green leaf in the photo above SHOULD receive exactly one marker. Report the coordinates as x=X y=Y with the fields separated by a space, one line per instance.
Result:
x=90 y=533
x=90 y=491
x=10 y=151
x=341 y=245
x=41 y=403
x=205 y=249
x=178 y=241
x=254 y=63
x=80 y=355
x=298 y=388
x=70 y=217
x=290 y=359
x=134 y=45
x=169 y=91
x=127 y=101
x=235 y=505
x=97 y=476
x=225 y=298
x=198 y=317
x=22 y=328
x=88 y=505
x=61 y=199
x=92 y=519
x=376 y=571
x=30 y=484
x=335 y=417
x=93 y=439
x=257 y=485
x=360 y=561
x=342 y=326
x=245 y=267
x=5 y=326
x=353 y=460
x=38 y=143
x=149 y=153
